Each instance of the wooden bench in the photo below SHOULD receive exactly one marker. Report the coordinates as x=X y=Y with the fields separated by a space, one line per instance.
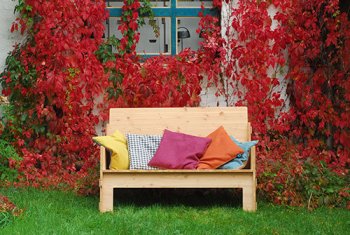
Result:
x=195 y=121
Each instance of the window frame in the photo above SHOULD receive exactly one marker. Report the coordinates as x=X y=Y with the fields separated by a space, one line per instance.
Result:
x=173 y=12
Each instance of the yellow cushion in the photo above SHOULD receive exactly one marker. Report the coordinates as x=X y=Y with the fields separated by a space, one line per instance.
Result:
x=117 y=144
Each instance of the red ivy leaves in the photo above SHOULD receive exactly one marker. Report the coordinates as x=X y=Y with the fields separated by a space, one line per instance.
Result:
x=6 y=206
x=307 y=42
x=175 y=83
x=312 y=37
x=66 y=80
x=129 y=27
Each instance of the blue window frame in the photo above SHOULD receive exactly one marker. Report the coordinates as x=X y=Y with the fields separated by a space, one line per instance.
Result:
x=178 y=9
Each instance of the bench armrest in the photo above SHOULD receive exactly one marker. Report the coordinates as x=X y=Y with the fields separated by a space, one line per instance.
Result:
x=252 y=159
x=102 y=159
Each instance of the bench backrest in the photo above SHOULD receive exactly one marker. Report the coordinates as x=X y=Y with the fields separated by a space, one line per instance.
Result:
x=199 y=121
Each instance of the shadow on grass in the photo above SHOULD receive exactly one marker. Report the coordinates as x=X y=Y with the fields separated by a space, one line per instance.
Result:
x=199 y=198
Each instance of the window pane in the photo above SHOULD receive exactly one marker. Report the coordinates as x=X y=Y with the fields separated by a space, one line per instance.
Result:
x=111 y=28
x=154 y=3
x=194 y=3
x=114 y=3
x=149 y=43
x=187 y=37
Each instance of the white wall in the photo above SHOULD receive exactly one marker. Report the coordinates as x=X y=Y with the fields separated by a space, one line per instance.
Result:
x=226 y=21
x=208 y=97
x=7 y=40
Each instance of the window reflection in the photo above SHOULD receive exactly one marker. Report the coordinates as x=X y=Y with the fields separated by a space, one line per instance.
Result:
x=187 y=37
x=175 y=33
x=148 y=43
x=154 y=3
x=194 y=3
x=166 y=3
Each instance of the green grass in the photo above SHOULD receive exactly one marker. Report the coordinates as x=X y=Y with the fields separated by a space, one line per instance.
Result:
x=164 y=212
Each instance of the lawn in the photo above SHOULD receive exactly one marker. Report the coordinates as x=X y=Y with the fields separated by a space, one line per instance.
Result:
x=164 y=212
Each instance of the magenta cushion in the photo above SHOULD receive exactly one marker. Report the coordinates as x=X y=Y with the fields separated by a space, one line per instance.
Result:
x=179 y=151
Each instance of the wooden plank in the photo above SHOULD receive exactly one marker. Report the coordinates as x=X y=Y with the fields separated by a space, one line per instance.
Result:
x=202 y=117
x=249 y=134
x=240 y=110
x=184 y=180
x=185 y=120
x=237 y=114
x=238 y=130
x=102 y=159
x=242 y=136
x=177 y=171
x=106 y=197
x=249 y=198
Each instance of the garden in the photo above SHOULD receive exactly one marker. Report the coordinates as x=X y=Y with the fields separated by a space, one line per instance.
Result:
x=287 y=61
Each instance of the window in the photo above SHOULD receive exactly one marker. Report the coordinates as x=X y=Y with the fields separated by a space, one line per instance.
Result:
x=177 y=20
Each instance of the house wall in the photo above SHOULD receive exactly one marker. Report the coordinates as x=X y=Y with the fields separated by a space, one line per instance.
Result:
x=7 y=40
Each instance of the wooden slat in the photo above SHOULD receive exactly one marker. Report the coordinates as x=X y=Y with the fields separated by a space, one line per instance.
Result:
x=102 y=159
x=168 y=179
x=214 y=171
x=195 y=121
x=233 y=114
x=238 y=110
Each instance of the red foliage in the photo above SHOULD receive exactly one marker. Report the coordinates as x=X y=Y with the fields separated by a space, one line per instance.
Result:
x=7 y=206
x=56 y=101
x=304 y=115
x=175 y=83
x=319 y=95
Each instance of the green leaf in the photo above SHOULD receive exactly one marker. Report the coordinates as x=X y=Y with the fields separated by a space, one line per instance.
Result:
x=24 y=117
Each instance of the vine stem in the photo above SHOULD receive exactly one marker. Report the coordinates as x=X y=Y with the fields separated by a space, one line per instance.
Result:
x=309 y=202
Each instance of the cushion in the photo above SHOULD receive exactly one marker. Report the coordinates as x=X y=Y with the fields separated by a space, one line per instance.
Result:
x=179 y=151
x=221 y=150
x=141 y=149
x=117 y=144
x=242 y=158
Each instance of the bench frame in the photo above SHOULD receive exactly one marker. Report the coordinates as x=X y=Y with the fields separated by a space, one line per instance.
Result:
x=243 y=178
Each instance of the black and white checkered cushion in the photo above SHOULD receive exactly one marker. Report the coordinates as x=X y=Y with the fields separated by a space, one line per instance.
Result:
x=141 y=149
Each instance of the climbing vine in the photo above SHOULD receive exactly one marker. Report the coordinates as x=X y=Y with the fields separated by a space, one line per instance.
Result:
x=288 y=62
x=53 y=81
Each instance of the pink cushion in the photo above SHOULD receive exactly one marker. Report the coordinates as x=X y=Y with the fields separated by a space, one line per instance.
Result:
x=179 y=151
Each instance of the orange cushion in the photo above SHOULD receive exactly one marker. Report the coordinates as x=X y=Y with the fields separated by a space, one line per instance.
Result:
x=221 y=150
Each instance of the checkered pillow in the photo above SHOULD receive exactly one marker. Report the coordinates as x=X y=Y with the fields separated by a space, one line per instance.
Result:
x=141 y=149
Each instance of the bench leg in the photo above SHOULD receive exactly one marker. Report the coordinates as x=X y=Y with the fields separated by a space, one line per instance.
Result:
x=106 y=199
x=249 y=198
